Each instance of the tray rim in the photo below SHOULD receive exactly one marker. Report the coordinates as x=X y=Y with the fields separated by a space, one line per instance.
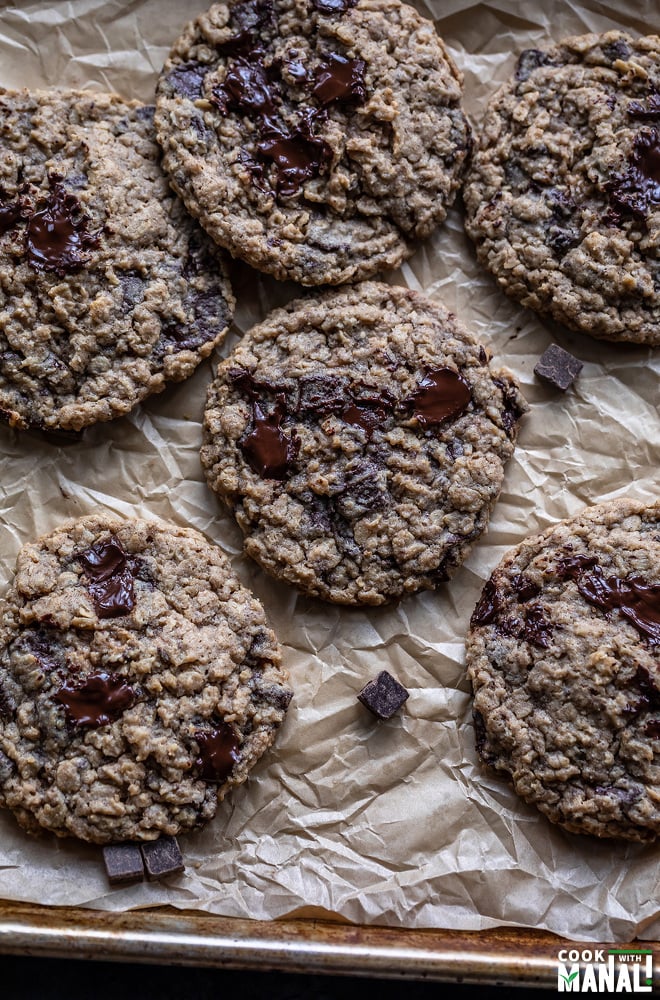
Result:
x=501 y=956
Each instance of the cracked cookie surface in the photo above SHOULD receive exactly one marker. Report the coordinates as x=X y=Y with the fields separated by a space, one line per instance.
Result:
x=360 y=437
x=139 y=681
x=563 y=193
x=563 y=658
x=108 y=289
x=315 y=139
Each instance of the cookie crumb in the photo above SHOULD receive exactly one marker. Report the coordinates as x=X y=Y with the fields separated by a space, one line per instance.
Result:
x=123 y=863
x=557 y=367
x=383 y=696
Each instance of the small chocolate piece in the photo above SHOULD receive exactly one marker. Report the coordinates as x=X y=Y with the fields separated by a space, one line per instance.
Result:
x=123 y=863
x=161 y=858
x=557 y=367
x=383 y=695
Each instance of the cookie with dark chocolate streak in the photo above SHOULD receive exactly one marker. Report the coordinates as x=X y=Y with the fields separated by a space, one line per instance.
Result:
x=109 y=289
x=316 y=140
x=139 y=682
x=360 y=438
x=563 y=193
x=563 y=657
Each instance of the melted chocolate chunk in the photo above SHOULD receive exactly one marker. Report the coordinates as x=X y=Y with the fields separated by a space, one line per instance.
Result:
x=442 y=395
x=96 y=701
x=528 y=61
x=253 y=388
x=536 y=628
x=524 y=588
x=251 y=18
x=488 y=607
x=638 y=190
x=637 y=600
x=246 y=87
x=296 y=156
x=57 y=236
x=267 y=448
x=329 y=7
x=188 y=80
x=570 y=567
x=110 y=578
x=646 y=111
x=383 y=696
x=10 y=216
x=218 y=751
x=40 y=645
x=340 y=80
x=652 y=729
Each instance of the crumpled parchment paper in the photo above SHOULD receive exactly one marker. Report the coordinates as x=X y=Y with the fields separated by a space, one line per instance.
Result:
x=388 y=823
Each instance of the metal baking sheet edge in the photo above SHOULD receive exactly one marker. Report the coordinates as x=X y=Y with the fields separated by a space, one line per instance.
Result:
x=503 y=956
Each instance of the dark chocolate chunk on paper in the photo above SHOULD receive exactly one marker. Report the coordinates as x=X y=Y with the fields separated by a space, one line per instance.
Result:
x=123 y=863
x=557 y=367
x=383 y=695
x=162 y=857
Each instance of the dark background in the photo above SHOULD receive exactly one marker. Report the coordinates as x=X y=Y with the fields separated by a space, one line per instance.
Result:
x=61 y=979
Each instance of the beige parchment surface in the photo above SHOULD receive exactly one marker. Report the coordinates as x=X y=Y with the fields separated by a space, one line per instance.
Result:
x=390 y=823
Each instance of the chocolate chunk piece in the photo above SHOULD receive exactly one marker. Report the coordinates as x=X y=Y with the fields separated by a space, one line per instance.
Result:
x=218 y=752
x=161 y=858
x=110 y=579
x=557 y=367
x=57 y=237
x=97 y=701
x=383 y=695
x=123 y=863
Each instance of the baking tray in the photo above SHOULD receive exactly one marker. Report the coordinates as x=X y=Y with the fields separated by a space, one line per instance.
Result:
x=505 y=956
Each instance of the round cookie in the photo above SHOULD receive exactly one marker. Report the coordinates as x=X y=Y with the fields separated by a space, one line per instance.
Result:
x=359 y=438
x=314 y=139
x=139 y=681
x=563 y=657
x=563 y=194
x=108 y=289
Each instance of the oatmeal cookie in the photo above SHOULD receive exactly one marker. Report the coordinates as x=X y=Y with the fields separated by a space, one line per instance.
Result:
x=563 y=657
x=563 y=194
x=359 y=437
x=108 y=289
x=139 y=681
x=315 y=139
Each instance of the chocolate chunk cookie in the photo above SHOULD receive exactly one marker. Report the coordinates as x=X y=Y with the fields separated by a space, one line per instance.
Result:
x=563 y=194
x=139 y=681
x=315 y=139
x=360 y=440
x=563 y=655
x=108 y=289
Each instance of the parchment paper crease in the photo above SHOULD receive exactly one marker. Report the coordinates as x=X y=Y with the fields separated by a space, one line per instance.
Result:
x=391 y=823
